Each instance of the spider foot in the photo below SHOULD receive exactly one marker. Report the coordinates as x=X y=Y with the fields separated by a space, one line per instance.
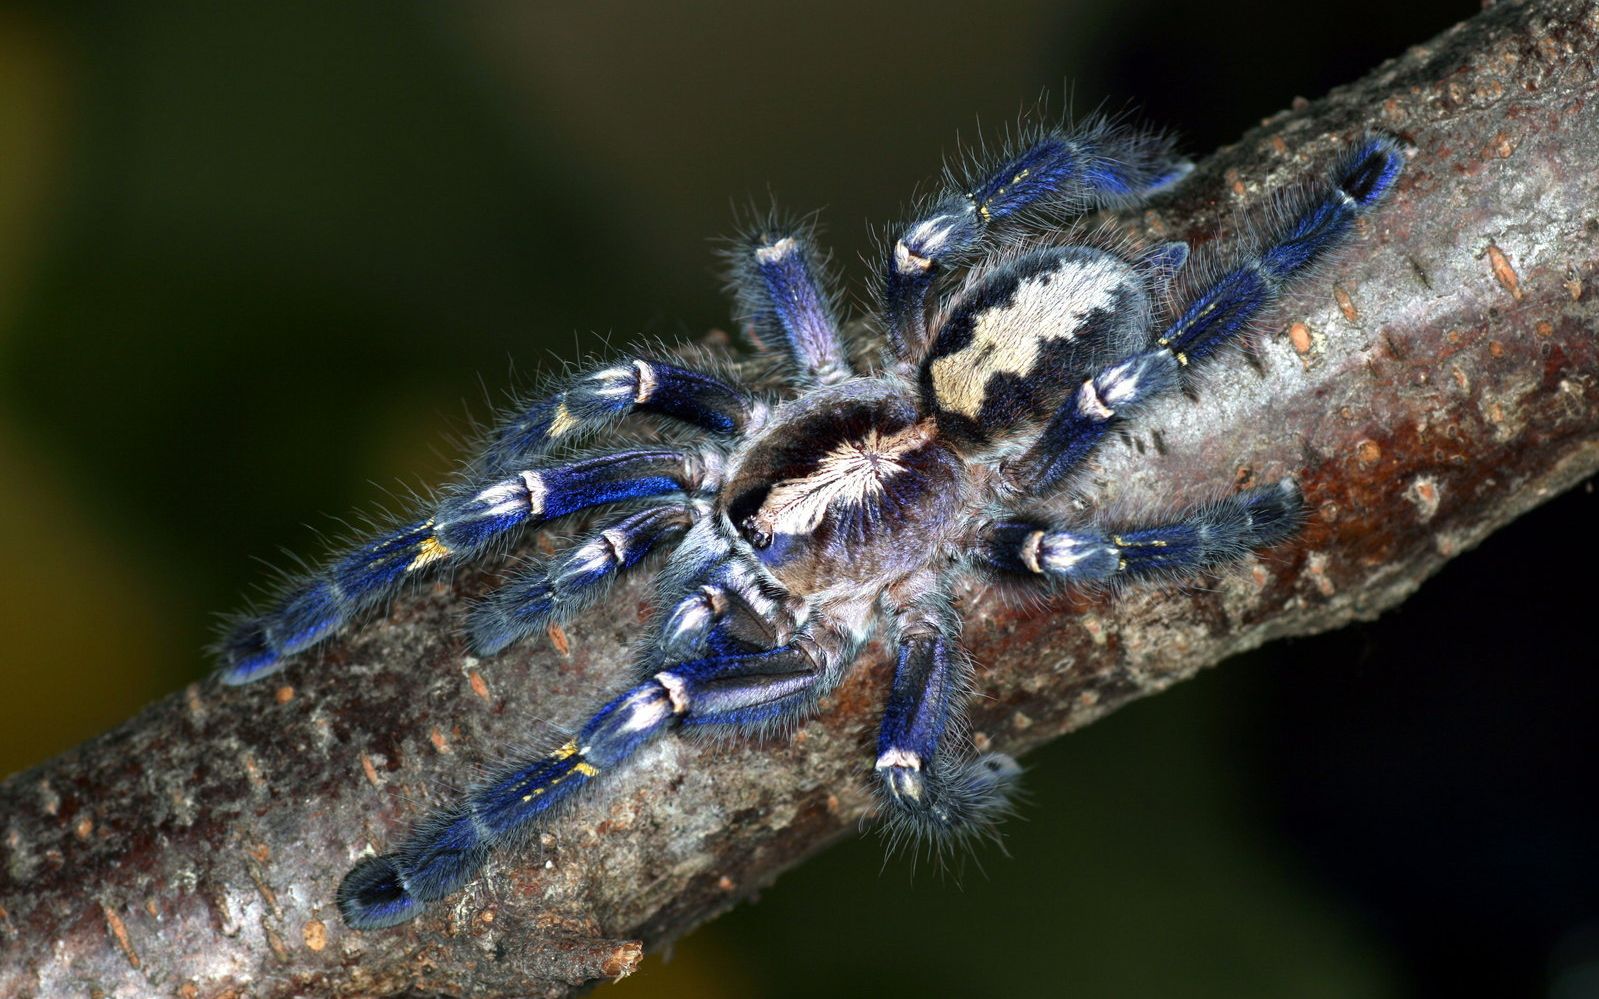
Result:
x=373 y=896
x=939 y=803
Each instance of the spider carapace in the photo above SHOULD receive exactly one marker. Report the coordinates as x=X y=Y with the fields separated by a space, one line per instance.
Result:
x=797 y=521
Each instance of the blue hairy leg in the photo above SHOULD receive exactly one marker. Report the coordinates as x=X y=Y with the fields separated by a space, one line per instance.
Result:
x=1218 y=315
x=448 y=849
x=465 y=525
x=1290 y=247
x=1201 y=537
x=929 y=790
x=1070 y=172
x=1087 y=417
x=778 y=278
x=553 y=589
x=593 y=400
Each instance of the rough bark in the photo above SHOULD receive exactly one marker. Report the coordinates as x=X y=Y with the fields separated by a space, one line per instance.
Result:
x=1434 y=384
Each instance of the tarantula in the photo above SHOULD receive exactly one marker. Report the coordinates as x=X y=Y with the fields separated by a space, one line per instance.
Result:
x=796 y=525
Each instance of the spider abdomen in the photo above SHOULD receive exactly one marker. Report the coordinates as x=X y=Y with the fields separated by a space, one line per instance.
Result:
x=1015 y=344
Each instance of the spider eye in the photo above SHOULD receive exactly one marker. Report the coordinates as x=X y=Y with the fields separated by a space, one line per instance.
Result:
x=742 y=513
x=754 y=534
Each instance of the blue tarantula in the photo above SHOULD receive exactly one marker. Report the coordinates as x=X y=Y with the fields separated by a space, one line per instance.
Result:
x=796 y=525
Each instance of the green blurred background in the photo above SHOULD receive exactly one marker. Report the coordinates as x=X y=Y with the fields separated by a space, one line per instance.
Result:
x=253 y=258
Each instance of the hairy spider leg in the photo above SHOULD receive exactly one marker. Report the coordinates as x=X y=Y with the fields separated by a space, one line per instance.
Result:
x=778 y=278
x=691 y=621
x=732 y=611
x=716 y=600
x=1201 y=537
x=598 y=397
x=931 y=788
x=1293 y=244
x=1219 y=314
x=593 y=400
x=448 y=849
x=1163 y=261
x=1095 y=165
x=1088 y=416
x=465 y=525
x=552 y=590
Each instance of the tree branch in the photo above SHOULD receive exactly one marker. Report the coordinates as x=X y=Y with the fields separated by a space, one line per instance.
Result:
x=1436 y=384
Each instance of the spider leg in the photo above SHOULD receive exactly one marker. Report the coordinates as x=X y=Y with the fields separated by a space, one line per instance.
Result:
x=592 y=400
x=778 y=277
x=930 y=789
x=688 y=627
x=715 y=599
x=449 y=848
x=465 y=525
x=1095 y=165
x=1217 y=315
x=1163 y=261
x=930 y=785
x=1086 y=418
x=556 y=588
x=1292 y=246
x=1201 y=537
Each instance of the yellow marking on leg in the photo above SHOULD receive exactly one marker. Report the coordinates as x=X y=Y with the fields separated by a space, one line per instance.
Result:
x=563 y=423
x=430 y=550
x=566 y=752
x=982 y=209
x=540 y=790
x=1119 y=542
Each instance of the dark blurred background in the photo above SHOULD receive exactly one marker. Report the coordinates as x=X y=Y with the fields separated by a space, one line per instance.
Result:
x=254 y=257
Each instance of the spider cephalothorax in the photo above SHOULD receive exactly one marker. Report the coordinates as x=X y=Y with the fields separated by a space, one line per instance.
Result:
x=807 y=519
